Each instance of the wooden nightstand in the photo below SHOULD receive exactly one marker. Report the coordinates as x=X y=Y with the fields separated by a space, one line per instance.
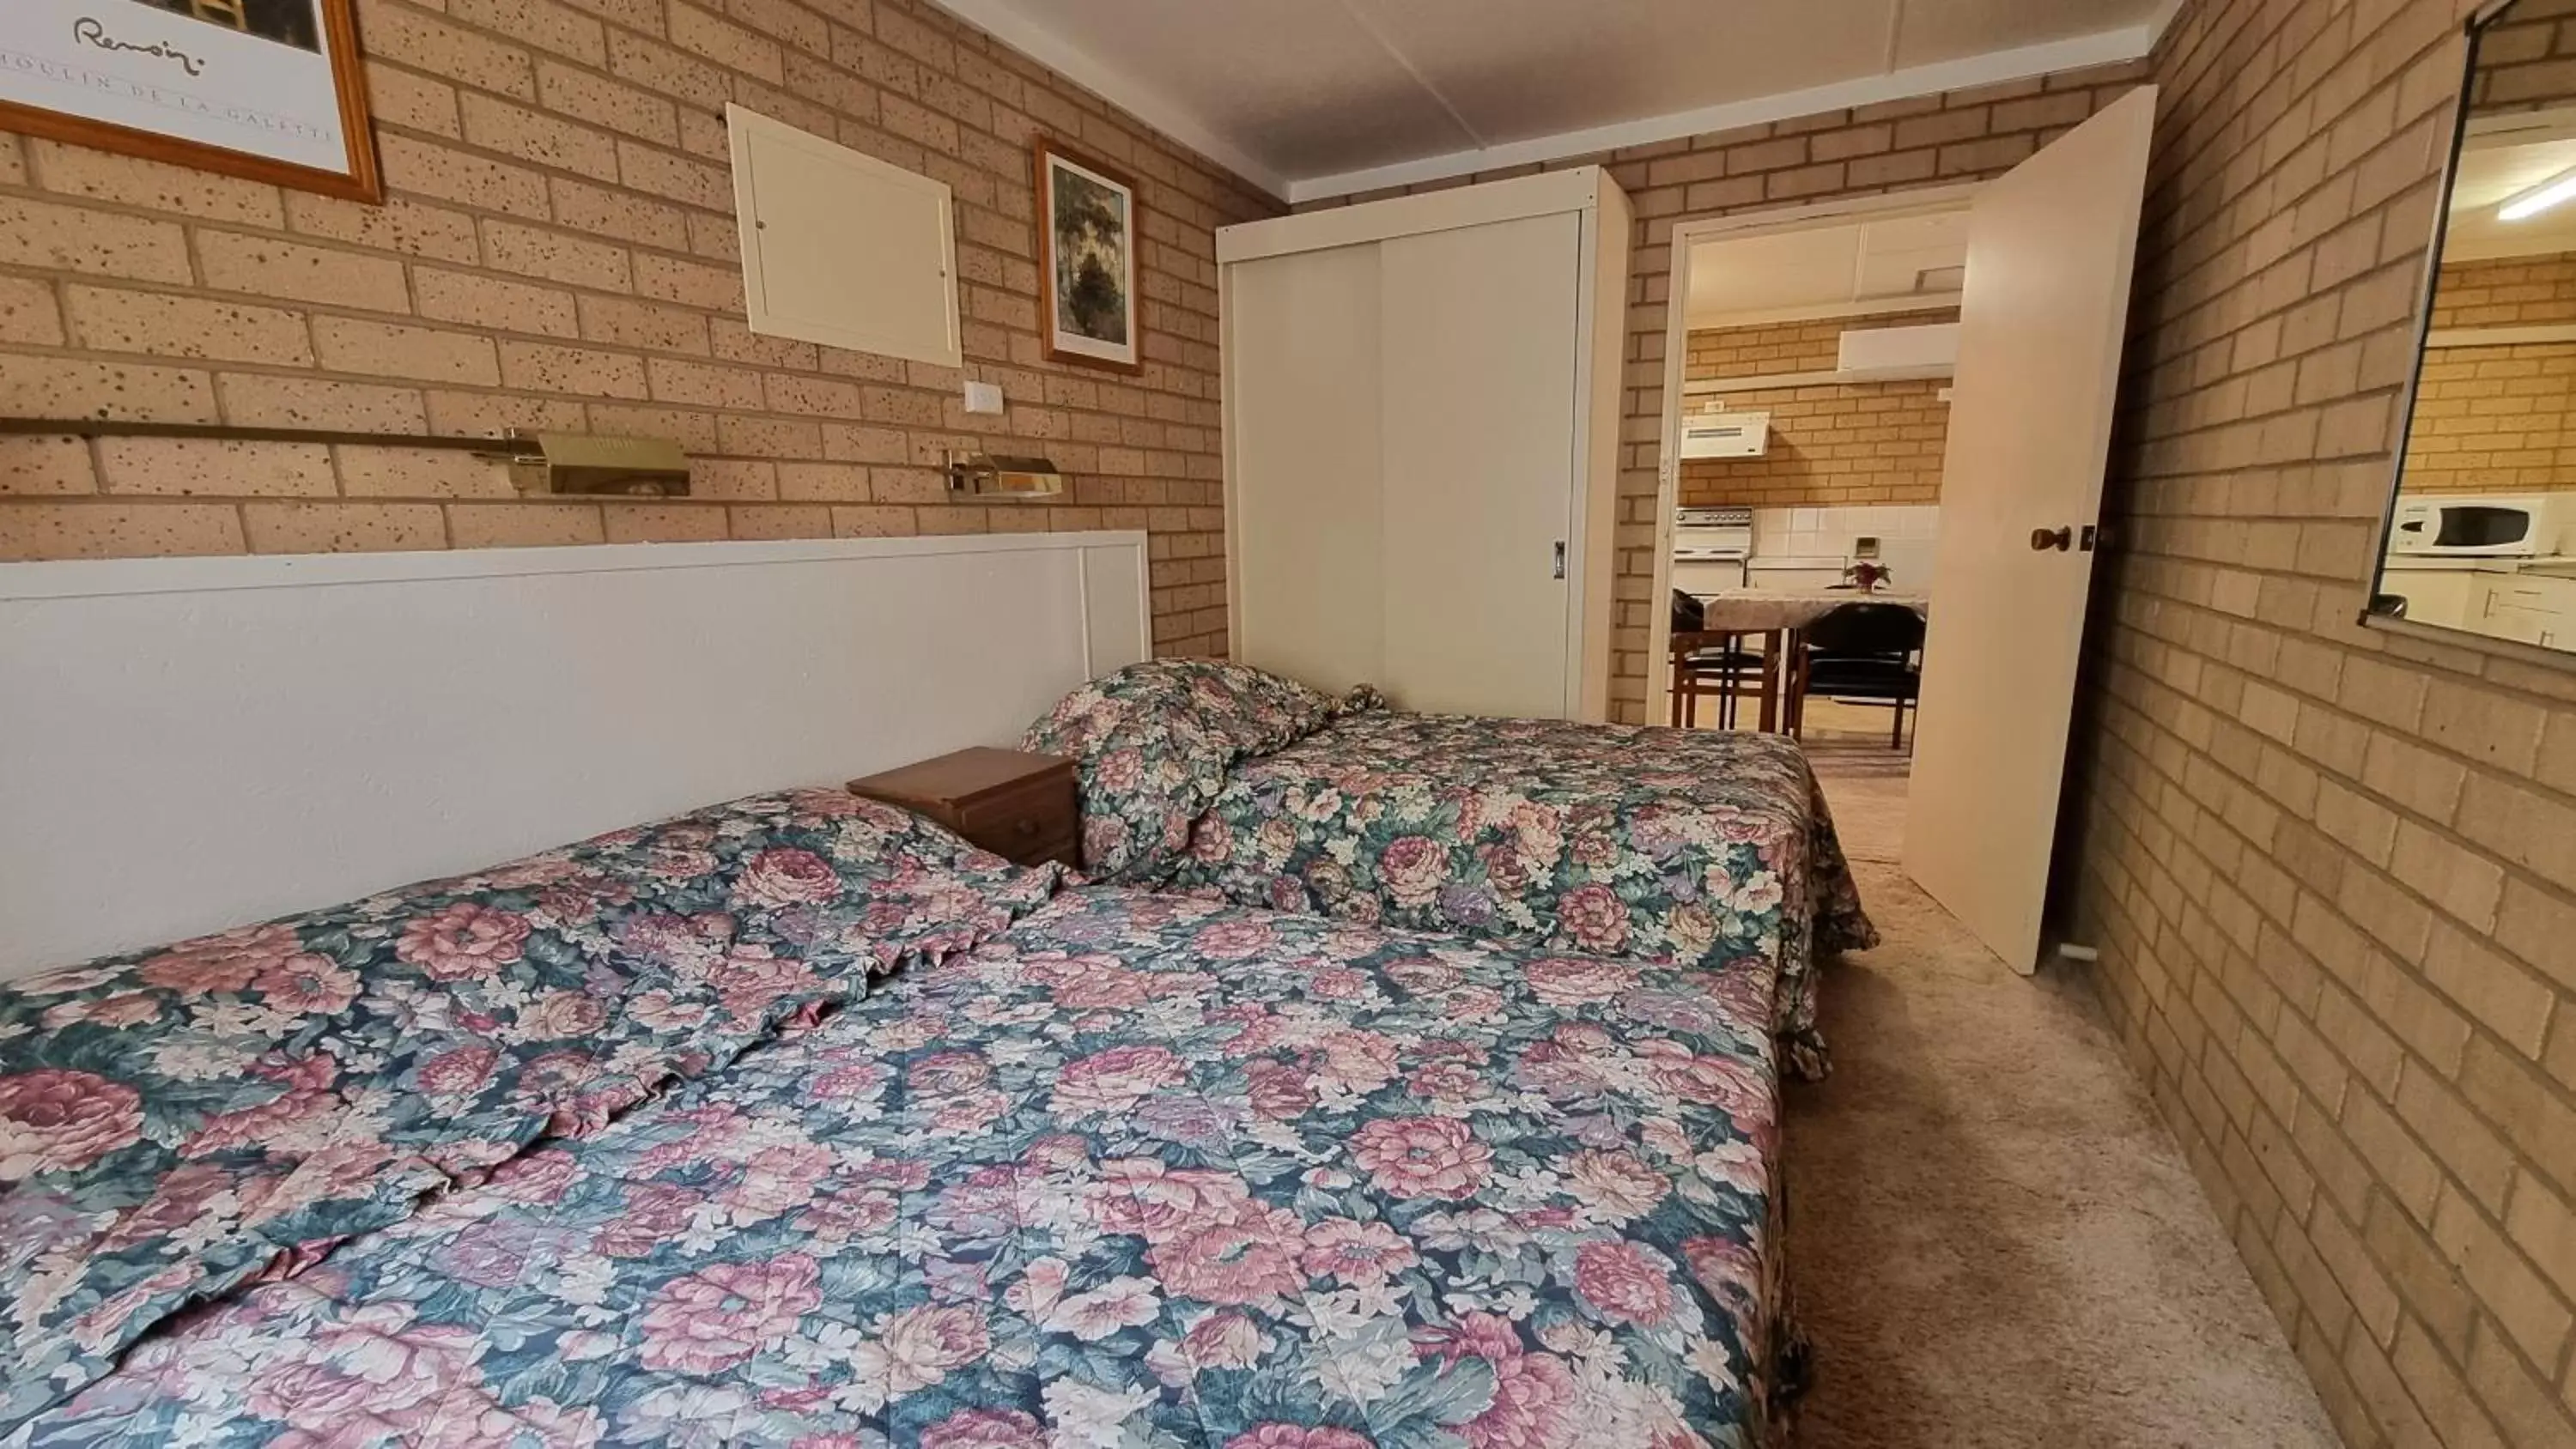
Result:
x=1023 y=807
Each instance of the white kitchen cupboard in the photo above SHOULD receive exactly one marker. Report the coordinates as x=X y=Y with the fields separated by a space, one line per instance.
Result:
x=2532 y=608
x=2501 y=603
x=1421 y=432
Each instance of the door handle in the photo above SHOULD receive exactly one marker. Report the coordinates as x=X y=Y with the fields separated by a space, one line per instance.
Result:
x=1560 y=558
x=2044 y=539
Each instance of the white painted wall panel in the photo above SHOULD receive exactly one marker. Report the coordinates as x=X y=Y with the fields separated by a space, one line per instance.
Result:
x=841 y=248
x=195 y=743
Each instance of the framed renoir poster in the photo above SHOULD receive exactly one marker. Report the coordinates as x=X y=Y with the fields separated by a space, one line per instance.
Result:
x=1087 y=233
x=269 y=89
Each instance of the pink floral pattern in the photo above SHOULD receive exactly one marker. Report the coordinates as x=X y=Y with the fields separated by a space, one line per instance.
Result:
x=1609 y=840
x=1486 y=1216
x=180 y=1121
x=61 y=1121
x=1153 y=742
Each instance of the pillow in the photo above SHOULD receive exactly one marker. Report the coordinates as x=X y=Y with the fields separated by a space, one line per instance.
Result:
x=1245 y=709
x=1153 y=743
x=175 y=1121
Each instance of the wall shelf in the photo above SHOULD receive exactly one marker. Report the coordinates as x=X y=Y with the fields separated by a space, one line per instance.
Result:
x=1766 y=382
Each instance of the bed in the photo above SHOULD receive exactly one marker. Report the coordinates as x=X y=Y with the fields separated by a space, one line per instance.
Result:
x=1713 y=849
x=798 y=1121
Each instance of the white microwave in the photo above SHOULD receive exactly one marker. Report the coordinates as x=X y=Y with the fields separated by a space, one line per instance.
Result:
x=2482 y=525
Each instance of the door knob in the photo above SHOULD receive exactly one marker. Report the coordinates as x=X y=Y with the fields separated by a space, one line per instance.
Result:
x=2044 y=539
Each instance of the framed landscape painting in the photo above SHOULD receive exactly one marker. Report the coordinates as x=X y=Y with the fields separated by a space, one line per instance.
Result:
x=1087 y=232
x=268 y=89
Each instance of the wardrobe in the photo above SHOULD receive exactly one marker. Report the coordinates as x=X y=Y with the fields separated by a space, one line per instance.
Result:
x=1421 y=443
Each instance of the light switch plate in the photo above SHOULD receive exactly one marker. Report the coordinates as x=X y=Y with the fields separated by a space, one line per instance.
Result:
x=983 y=397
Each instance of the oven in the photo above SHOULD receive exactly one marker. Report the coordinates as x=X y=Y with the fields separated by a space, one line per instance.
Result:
x=1710 y=546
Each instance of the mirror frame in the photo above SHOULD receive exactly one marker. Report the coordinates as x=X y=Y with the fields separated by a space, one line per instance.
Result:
x=2369 y=618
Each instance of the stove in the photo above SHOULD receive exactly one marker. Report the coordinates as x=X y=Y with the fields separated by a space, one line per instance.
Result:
x=1710 y=546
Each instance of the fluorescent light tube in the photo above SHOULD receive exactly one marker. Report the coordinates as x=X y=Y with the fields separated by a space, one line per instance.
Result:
x=2540 y=198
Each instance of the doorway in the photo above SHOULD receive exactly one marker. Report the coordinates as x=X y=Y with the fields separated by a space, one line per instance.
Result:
x=2042 y=300
x=1807 y=367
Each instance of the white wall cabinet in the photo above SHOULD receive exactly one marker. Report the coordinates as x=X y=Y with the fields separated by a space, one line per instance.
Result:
x=1421 y=406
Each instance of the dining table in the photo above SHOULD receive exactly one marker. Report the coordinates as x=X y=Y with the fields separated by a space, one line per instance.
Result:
x=1730 y=616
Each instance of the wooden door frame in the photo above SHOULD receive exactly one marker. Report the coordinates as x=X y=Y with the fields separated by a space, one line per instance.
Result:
x=1686 y=237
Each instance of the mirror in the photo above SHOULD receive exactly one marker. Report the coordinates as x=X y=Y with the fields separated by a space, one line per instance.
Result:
x=2481 y=532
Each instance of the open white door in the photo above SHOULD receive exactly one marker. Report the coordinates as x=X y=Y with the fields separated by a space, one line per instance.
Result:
x=2050 y=251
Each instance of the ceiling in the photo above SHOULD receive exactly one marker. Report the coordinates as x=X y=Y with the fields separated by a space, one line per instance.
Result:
x=2500 y=159
x=1847 y=269
x=1322 y=97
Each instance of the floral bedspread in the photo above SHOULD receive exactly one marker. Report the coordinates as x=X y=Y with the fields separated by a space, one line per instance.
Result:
x=1152 y=743
x=1140 y=1170
x=178 y=1122
x=1622 y=840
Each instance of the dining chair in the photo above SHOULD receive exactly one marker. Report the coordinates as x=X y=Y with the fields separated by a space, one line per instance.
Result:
x=1720 y=671
x=1860 y=651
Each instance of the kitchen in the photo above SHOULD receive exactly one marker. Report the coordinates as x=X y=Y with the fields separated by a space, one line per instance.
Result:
x=1812 y=416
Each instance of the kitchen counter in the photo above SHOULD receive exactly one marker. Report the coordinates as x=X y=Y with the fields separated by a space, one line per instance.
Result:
x=2551 y=564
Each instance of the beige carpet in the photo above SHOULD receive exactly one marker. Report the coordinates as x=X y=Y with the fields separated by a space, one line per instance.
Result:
x=1993 y=1241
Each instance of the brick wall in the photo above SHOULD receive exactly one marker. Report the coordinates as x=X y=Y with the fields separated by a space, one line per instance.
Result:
x=1831 y=444
x=2328 y=869
x=558 y=250
x=2529 y=61
x=2494 y=419
x=1897 y=145
x=1854 y=443
x=1768 y=348
x=2508 y=292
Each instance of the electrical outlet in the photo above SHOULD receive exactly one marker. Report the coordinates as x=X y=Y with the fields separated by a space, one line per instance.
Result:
x=983 y=397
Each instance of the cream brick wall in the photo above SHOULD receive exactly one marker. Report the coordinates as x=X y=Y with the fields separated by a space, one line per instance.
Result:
x=2498 y=416
x=1831 y=445
x=2329 y=870
x=1925 y=141
x=2530 y=59
x=2490 y=419
x=2510 y=292
x=1774 y=347
x=558 y=250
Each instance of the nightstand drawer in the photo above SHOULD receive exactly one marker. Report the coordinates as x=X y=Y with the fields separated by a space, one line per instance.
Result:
x=1049 y=801
x=1022 y=832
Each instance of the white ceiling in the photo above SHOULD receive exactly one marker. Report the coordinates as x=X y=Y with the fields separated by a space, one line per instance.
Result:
x=1322 y=97
x=2502 y=158
x=1846 y=269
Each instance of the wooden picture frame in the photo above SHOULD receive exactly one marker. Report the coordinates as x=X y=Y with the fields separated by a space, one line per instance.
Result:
x=1089 y=222
x=270 y=90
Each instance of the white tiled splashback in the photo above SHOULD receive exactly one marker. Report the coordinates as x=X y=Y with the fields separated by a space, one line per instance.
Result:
x=1906 y=534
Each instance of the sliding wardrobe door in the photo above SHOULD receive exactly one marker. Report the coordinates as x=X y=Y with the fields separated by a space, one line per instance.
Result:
x=1478 y=457
x=1302 y=353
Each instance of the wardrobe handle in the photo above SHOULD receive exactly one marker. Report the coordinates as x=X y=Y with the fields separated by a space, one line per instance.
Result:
x=1560 y=558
